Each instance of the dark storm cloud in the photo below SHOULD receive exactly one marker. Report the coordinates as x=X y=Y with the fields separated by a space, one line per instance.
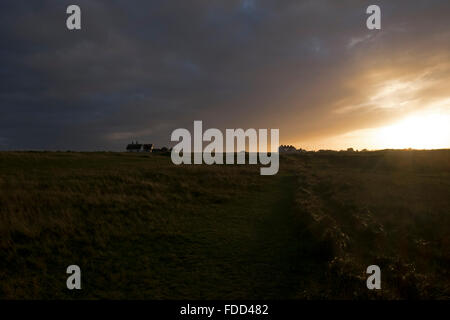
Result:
x=139 y=69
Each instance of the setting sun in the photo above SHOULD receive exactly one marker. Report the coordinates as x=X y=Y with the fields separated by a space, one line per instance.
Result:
x=423 y=130
x=429 y=131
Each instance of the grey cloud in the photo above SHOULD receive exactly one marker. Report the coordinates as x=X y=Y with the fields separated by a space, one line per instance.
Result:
x=139 y=69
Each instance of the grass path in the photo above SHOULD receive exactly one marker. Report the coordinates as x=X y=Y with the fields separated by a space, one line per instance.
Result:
x=276 y=255
x=286 y=251
x=256 y=248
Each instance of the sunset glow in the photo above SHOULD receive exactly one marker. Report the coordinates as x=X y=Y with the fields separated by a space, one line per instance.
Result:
x=421 y=130
x=429 y=131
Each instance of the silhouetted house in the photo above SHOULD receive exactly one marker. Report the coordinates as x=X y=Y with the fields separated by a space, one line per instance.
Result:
x=163 y=149
x=148 y=147
x=134 y=146
x=287 y=148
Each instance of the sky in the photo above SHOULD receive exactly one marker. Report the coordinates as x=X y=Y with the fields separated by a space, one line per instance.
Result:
x=137 y=70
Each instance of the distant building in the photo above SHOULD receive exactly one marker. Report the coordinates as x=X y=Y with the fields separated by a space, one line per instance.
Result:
x=134 y=146
x=287 y=148
x=163 y=149
x=148 y=147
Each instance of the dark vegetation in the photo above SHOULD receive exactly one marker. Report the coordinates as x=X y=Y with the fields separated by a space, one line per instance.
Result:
x=142 y=228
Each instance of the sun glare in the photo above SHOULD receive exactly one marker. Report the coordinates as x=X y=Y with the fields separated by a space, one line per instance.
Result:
x=424 y=130
x=429 y=131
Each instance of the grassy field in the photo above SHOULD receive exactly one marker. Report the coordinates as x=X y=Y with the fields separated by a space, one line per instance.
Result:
x=142 y=228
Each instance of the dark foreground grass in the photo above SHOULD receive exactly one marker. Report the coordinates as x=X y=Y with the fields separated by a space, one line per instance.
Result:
x=141 y=228
x=388 y=208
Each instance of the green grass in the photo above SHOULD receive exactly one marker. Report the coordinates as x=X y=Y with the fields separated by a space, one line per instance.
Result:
x=142 y=228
